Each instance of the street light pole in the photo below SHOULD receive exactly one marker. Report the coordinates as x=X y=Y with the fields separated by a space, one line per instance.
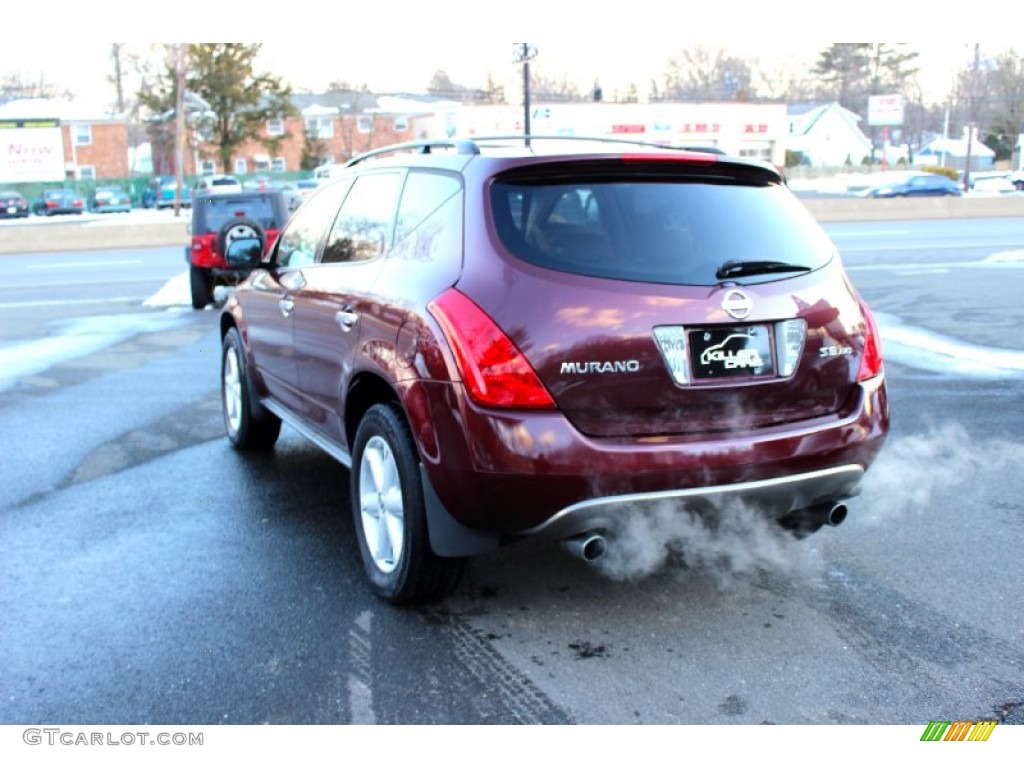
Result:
x=522 y=53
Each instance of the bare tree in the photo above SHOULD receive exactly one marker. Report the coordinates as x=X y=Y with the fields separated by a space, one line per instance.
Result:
x=776 y=82
x=442 y=86
x=999 y=98
x=357 y=123
x=561 y=88
x=492 y=92
x=17 y=85
x=703 y=74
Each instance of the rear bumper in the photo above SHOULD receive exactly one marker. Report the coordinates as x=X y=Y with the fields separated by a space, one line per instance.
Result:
x=534 y=474
x=785 y=494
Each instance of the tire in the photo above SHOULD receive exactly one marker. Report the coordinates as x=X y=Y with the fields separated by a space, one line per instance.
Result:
x=389 y=514
x=249 y=426
x=202 y=286
x=240 y=227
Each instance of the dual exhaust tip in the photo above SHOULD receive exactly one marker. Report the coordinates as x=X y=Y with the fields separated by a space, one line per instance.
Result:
x=588 y=546
x=593 y=545
x=804 y=522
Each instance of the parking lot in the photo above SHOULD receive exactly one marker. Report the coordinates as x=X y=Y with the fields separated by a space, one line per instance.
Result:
x=154 y=576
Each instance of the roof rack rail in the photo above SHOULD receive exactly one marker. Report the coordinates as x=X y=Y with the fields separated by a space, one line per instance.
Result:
x=471 y=146
x=599 y=139
x=461 y=147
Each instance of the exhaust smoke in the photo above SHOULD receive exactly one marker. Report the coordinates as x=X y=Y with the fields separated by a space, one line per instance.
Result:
x=912 y=475
x=727 y=542
x=916 y=472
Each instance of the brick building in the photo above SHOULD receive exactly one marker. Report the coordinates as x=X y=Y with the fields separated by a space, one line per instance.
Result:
x=333 y=127
x=96 y=149
x=95 y=143
x=329 y=128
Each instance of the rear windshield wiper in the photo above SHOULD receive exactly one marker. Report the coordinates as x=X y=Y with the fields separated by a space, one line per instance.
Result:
x=745 y=268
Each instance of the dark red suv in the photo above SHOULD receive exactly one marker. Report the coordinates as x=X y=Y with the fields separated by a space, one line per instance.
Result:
x=217 y=220
x=506 y=341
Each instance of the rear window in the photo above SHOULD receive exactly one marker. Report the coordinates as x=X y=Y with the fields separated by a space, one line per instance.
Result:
x=216 y=211
x=655 y=230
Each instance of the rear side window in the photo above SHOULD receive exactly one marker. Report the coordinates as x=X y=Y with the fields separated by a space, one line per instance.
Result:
x=655 y=230
x=423 y=194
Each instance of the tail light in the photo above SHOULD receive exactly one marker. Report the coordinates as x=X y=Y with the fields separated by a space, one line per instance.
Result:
x=495 y=372
x=871 y=356
x=51 y=203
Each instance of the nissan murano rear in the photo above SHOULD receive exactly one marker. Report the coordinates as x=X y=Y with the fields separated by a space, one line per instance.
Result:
x=502 y=343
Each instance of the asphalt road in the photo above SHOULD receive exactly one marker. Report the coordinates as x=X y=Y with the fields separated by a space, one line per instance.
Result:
x=149 y=574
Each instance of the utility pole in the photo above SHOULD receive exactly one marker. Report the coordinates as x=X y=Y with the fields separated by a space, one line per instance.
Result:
x=179 y=128
x=115 y=54
x=522 y=53
x=971 y=99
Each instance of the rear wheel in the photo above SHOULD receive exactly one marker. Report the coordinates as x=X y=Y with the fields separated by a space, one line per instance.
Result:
x=248 y=424
x=201 y=284
x=390 y=516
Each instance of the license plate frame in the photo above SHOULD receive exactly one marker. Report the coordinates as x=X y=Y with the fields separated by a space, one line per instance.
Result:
x=731 y=352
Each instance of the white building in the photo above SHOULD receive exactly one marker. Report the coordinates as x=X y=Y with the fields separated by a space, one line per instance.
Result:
x=952 y=153
x=827 y=135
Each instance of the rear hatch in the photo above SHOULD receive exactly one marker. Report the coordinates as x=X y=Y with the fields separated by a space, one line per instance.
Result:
x=212 y=212
x=662 y=297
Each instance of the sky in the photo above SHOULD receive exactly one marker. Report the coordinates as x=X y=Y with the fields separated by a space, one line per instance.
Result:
x=615 y=44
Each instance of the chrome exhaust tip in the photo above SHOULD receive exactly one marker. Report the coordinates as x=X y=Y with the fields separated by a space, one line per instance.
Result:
x=588 y=547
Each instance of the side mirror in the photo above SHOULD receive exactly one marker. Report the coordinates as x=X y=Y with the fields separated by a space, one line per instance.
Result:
x=244 y=252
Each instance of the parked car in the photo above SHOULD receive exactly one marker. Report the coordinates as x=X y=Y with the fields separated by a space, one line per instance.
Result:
x=915 y=185
x=296 y=192
x=214 y=185
x=13 y=204
x=260 y=182
x=110 y=200
x=218 y=220
x=502 y=344
x=163 y=191
x=56 y=201
x=152 y=191
x=293 y=195
x=996 y=182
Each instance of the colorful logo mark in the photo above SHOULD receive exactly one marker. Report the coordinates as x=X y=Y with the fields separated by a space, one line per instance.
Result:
x=958 y=730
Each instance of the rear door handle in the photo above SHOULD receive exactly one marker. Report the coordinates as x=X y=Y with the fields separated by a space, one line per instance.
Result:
x=347 y=319
x=286 y=305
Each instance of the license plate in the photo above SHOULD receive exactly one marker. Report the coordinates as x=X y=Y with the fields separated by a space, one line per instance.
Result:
x=12 y=210
x=736 y=351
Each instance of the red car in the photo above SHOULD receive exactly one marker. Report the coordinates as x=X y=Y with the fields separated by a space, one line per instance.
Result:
x=502 y=343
